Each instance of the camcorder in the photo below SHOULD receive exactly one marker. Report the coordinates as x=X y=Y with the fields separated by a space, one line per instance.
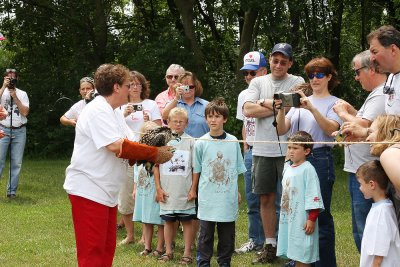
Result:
x=137 y=107
x=289 y=99
x=13 y=83
x=185 y=88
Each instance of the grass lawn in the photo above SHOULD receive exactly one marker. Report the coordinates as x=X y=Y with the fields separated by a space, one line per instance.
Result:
x=36 y=228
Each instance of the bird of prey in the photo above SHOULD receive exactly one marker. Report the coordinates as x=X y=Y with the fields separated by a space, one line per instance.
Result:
x=159 y=136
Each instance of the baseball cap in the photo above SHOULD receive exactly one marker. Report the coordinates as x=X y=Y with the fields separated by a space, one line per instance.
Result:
x=284 y=48
x=253 y=61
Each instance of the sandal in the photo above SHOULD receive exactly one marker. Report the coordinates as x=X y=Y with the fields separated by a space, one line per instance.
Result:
x=166 y=257
x=185 y=260
x=145 y=252
x=157 y=253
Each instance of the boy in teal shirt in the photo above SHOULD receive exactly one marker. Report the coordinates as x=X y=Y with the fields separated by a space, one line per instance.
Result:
x=218 y=162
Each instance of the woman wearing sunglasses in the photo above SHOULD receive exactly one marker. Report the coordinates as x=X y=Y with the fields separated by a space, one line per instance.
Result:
x=316 y=116
x=171 y=77
x=188 y=91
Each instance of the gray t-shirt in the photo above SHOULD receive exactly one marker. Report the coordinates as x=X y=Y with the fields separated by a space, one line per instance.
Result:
x=303 y=120
x=357 y=154
x=265 y=87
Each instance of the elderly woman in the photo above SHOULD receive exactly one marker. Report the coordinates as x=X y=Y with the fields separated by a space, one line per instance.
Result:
x=171 y=77
x=188 y=91
x=86 y=86
x=98 y=165
x=316 y=116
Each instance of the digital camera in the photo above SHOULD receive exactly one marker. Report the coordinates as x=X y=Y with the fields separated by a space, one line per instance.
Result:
x=13 y=83
x=288 y=99
x=92 y=95
x=340 y=137
x=185 y=88
x=137 y=107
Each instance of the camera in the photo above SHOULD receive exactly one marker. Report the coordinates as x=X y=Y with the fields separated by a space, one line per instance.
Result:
x=137 y=107
x=13 y=83
x=92 y=95
x=288 y=99
x=185 y=88
x=340 y=137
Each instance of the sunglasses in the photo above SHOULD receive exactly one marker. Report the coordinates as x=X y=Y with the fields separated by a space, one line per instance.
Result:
x=318 y=75
x=11 y=70
x=169 y=77
x=357 y=71
x=252 y=73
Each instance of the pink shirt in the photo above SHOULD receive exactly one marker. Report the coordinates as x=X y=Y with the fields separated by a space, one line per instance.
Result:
x=163 y=98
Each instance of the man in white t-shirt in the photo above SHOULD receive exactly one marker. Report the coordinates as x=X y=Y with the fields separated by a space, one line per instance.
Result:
x=384 y=44
x=254 y=65
x=268 y=159
x=98 y=166
x=16 y=102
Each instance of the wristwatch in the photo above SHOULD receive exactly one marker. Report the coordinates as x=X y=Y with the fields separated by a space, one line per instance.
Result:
x=262 y=102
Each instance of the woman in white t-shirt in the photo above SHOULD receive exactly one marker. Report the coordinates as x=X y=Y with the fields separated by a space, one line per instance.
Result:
x=139 y=110
x=86 y=86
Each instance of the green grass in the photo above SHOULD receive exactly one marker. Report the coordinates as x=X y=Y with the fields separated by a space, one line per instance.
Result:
x=36 y=228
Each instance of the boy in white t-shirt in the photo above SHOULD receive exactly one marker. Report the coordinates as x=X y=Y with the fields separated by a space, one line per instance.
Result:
x=176 y=187
x=380 y=245
x=218 y=162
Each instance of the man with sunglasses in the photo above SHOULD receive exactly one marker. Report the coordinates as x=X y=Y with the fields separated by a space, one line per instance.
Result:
x=268 y=159
x=16 y=102
x=384 y=44
x=372 y=81
x=254 y=65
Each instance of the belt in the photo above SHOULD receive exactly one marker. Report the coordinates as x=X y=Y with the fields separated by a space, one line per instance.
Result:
x=13 y=127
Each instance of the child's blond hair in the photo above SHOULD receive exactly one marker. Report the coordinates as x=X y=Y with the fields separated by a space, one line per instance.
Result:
x=178 y=112
x=388 y=130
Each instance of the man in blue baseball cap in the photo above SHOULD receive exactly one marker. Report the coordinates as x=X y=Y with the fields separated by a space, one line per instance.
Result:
x=254 y=65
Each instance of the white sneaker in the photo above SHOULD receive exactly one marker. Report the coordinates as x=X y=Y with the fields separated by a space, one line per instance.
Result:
x=248 y=247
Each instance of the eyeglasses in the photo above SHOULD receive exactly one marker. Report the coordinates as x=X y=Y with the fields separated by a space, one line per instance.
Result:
x=252 y=73
x=178 y=122
x=137 y=85
x=282 y=62
x=388 y=89
x=357 y=71
x=169 y=77
x=11 y=70
x=318 y=75
x=192 y=86
x=394 y=130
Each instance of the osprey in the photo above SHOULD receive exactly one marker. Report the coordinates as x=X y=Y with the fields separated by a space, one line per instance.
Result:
x=159 y=136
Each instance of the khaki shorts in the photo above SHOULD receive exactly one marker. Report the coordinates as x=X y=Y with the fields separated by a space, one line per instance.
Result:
x=126 y=203
x=266 y=171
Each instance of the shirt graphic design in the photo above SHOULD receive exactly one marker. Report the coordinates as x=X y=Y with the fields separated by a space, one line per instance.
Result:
x=250 y=126
x=178 y=165
x=144 y=180
x=220 y=170
x=288 y=193
x=7 y=106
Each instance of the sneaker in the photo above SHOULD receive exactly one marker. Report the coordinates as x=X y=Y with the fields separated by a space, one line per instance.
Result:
x=291 y=263
x=248 y=247
x=267 y=255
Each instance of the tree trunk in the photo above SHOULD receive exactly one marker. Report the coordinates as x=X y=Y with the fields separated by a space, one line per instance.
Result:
x=246 y=38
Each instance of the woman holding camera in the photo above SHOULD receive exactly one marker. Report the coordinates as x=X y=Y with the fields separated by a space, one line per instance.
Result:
x=86 y=86
x=316 y=116
x=188 y=91
x=138 y=110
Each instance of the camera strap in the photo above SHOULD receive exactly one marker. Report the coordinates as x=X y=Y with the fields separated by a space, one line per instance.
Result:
x=275 y=124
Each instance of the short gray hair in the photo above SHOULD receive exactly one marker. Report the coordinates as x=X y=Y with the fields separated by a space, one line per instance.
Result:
x=177 y=67
x=365 y=60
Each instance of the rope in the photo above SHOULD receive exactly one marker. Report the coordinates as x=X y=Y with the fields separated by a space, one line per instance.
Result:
x=286 y=142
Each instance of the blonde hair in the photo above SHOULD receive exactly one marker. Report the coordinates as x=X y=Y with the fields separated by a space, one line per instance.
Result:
x=148 y=125
x=178 y=112
x=388 y=130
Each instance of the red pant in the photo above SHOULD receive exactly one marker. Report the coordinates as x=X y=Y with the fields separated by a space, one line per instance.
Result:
x=95 y=232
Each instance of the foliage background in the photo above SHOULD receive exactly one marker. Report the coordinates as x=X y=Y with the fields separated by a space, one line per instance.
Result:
x=54 y=43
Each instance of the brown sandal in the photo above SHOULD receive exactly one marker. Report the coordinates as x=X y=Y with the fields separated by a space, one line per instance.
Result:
x=145 y=252
x=185 y=260
x=157 y=253
x=166 y=257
